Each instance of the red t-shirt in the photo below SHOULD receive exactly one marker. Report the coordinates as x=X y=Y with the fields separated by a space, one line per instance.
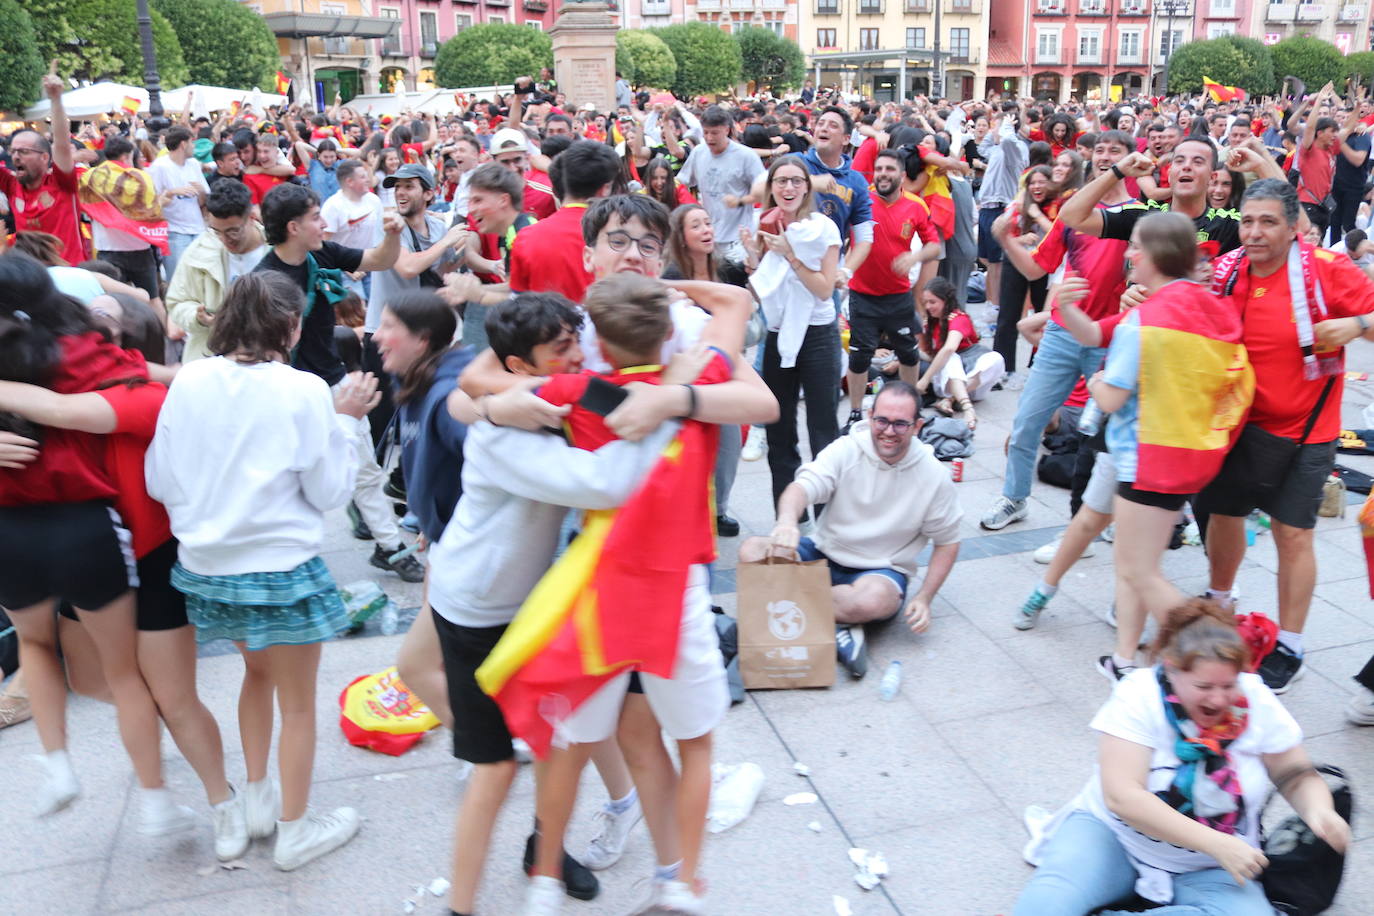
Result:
x=51 y=207
x=864 y=158
x=136 y=408
x=539 y=198
x=260 y=183
x=894 y=227
x=1101 y=261
x=413 y=152
x=547 y=257
x=71 y=465
x=960 y=322
x=1284 y=399
x=684 y=195
x=1317 y=167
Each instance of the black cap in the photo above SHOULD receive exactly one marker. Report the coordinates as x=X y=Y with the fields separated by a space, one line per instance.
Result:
x=410 y=170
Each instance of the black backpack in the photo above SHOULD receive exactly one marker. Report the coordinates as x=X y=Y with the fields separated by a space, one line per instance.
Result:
x=1304 y=873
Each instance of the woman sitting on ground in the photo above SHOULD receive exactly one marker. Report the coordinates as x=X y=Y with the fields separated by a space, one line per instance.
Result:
x=1187 y=752
x=959 y=370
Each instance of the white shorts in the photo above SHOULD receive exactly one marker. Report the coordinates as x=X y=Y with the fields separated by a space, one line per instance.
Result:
x=1101 y=488
x=690 y=704
x=990 y=367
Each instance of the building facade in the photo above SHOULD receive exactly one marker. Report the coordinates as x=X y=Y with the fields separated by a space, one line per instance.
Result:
x=1344 y=24
x=407 y=56
x=894 y=49
x=779 y=15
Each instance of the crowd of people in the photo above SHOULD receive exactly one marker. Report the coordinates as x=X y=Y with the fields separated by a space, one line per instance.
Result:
x=465 y=326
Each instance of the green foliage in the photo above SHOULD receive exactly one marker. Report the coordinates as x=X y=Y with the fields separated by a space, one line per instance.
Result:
x=708 y=59
x=770 y=59
x=492 y=54
x=21 y=67
x=98 y=39
x=1228 y=61
x=1309 y=59
x=249 y=58
x=1360 y=64
x=644 y=60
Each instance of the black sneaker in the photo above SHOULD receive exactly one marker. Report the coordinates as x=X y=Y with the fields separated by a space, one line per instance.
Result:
x=393 y=489
x=408 y=568
x=360 y=529
x=578 y=880
x=854 y=417
x=1107 y=665
x=852 y=649
x=727 y=527
x=1281 y=668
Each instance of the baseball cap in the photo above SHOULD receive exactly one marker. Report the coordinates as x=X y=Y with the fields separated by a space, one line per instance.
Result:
x=509 y=140
x=410 y=170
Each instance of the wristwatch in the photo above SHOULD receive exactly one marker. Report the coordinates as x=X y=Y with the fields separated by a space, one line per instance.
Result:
x=1364 y=323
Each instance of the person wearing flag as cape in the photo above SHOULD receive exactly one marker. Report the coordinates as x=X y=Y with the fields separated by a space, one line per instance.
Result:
x=1300 y=306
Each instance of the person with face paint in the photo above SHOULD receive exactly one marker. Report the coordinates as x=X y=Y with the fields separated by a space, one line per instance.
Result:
x=1189 y=751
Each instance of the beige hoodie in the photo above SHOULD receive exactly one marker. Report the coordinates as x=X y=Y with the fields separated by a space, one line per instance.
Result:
x=880 y=515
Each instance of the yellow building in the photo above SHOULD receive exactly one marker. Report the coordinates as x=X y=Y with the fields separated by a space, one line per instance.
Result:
x=894 y=49
x=330 y=46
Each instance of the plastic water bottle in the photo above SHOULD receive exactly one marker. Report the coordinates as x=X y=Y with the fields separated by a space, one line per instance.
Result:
x=362 y=600
x=891 y=683
x=389 y=621
x=1090 y=420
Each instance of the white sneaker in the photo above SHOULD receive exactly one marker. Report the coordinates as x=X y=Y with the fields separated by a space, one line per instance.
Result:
x=1360 y=710
x=313 y=835
x=523 y=754
x=612 y=831
x=160 y=815
x=1045 y=553
x=677 y=897
x=261 y=808
x=60 y=786
x=543 y=896
x=756 y=446
x=231 y=828
x=650 y=902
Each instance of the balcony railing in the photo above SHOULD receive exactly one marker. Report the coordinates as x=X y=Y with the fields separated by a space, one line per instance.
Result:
x=1090 y=57
x=708 y=6
x=1048 y=57
x=1135 y=8
x=1281 y=12
x=1132 y=57
x=1351 y=12
x=542 y=6
x=1052 y=7
x=1092 y=7
x=429 y=48
x=871 y=7
x=1311 y=12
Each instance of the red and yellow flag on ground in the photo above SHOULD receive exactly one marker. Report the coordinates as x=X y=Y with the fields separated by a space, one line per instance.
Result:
x=613 y=601
x=130 y=105
x=1196 y=385
x=283 y=83
x=1222 y=93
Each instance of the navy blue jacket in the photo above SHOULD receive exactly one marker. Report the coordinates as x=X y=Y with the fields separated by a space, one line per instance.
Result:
x=432 y=448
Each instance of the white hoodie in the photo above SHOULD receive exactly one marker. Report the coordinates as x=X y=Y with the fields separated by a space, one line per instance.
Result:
x=880 y=515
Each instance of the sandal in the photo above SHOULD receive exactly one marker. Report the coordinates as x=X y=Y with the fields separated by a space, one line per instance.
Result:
x=944 y=407
x=966 y=408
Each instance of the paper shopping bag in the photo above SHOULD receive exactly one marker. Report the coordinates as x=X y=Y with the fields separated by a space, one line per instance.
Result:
x=786 y=624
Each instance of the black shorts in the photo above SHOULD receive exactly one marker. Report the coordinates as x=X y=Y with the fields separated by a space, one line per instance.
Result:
x=160 y=606
x=1171 y=501
x=78 y=552
x=988 y=249
x=138 y=267
x=1294 y=502
x=872 y=316
x=479 y=729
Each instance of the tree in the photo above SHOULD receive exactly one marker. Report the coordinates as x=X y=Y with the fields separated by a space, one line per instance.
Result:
x=21 y=67
x=491 y=55
x=98 y=39
x=769 y=59
x=1309 y=59
x=1228 y=63
x=644 y=60
x=1361 y=64
x=708 y=60
x=1260 y=64
x=250 y=59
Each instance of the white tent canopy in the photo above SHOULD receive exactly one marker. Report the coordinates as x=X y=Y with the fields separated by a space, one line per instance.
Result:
x=217 y=98
x=89 y=101
x=426 y=101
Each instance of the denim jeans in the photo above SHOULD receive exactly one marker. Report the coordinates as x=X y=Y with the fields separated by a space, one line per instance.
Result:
x=1083 y=868
x=814 y=373
x=177 y=243
x=727 y=463
x=1058 y=365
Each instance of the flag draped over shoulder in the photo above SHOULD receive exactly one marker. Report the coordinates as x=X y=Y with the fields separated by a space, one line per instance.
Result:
x=1222 y=93
x=1196 y=385
x=124 y=199
x=613 y=601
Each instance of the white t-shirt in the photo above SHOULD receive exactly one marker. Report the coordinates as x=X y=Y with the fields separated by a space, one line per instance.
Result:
x=689 y=320
x=1135 y=712
x=357 y=225
x=240 y=264
x=183 y=211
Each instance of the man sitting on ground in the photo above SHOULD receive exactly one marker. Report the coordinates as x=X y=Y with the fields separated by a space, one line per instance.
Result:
x=885 y=496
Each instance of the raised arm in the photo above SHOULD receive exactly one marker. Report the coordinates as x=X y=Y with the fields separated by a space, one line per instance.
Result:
x=61 y=128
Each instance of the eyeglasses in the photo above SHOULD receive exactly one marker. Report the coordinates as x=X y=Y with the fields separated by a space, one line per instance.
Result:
x=16 y=150
x=649 y=245
x=230 y=233
x=794 y=180
x=897 y=426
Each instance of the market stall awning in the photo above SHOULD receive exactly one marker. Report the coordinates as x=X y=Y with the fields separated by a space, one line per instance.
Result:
x=320 y=25
x=217 y=98
x=89 y=101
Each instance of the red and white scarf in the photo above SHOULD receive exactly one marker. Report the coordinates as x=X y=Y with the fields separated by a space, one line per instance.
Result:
x=1231 y=276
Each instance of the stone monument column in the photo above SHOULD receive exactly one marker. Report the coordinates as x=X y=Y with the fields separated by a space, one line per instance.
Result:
x=584 y=54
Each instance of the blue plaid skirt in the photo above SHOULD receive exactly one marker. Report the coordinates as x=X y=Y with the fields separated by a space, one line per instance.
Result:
x=296 y=607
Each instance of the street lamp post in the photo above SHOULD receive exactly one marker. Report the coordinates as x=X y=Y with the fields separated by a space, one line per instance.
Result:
x=1171 y=8
x=151 y=81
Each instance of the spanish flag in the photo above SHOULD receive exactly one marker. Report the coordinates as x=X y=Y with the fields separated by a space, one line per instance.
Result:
x=613 y=601
x=283 y=83
x=1196 y=385
x=130 y=105
x=234 y=108
x=1222 y=93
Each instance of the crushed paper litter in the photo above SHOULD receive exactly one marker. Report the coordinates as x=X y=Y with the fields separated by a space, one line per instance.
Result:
x=801 y=769
x=439 y=887
x=842 y=907
x=814 y=826
x=800 y=798
x=388 y=777
x=872 y=868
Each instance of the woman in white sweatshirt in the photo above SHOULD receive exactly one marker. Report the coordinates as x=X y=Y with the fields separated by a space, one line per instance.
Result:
x=248 y=455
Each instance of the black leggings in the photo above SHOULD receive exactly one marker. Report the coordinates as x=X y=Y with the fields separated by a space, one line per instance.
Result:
x=817 y=373
x=1011 y=297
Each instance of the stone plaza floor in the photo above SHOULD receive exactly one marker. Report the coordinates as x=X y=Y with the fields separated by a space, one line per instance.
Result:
x=989 y=720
